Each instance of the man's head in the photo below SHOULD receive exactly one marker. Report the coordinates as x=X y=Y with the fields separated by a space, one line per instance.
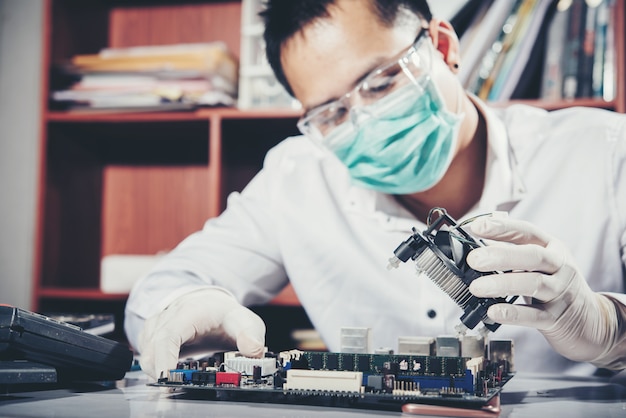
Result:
x=285 y=18
x=377 y=81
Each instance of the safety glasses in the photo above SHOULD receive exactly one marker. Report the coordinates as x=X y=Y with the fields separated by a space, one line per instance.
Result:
x=411 y=66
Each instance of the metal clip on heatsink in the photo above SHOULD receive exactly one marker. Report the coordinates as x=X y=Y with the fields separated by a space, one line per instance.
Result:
x=441 y=254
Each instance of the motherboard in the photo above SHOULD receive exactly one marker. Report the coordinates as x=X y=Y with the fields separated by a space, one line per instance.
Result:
x=382 y=381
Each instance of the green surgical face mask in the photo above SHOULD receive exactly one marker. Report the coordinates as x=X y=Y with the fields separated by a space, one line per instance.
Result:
x=402 y=144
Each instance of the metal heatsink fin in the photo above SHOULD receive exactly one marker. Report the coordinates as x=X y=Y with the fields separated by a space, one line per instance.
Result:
x=445 y=279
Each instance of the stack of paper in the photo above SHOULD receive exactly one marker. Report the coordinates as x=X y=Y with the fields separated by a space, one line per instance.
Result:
x=151 y=77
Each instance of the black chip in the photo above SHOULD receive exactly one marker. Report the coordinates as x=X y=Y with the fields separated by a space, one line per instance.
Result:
x=435 y=365
x=452 y=366
x=348 y=362
x=363 y=363
x=316 y=361
x=332 y=361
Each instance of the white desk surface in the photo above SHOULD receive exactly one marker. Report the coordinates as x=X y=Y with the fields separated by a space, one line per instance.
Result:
x=530 y=396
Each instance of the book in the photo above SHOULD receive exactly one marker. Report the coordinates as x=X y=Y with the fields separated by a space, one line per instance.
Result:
x=572 y=48
x=609 y=69
x=488 y=30
x=599 y=53
x=518 y=56
x=587 y=47
x=207 y=58
x=529 y=84
x=509 y=35
x=552 y=77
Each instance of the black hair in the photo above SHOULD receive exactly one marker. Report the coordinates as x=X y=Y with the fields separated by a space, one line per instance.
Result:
x=284 y=18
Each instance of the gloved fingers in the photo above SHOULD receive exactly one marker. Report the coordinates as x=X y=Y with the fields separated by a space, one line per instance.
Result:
x=146 y=362
x=144 y=346
x=166 y=352
x=247 y=329
x=529 y=257
x=509 y=230
x=161 y=340
x=525 y=315
x=531 y=284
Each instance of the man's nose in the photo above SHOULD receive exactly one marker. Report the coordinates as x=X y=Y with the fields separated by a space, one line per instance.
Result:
x=358 y=115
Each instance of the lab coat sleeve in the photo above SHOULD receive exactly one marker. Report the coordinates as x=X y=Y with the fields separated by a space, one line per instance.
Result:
x=618 y=351
x=619 y=191
x=236 y=251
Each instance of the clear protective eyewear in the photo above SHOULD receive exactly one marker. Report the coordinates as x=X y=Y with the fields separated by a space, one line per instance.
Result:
x=412 y=66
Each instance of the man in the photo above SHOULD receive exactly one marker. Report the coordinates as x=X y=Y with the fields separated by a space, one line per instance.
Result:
x=390 y=134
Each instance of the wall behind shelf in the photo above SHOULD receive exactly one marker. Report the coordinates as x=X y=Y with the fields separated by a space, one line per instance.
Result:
x=20 y=76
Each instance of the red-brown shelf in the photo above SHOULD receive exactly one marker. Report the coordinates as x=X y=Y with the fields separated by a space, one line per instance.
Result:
x=200 y=114
x=560 y=104
x=76 y=293
x=286 y=298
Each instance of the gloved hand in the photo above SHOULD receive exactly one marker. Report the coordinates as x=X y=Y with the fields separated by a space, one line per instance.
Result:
x=210 y=316
x=579 y=324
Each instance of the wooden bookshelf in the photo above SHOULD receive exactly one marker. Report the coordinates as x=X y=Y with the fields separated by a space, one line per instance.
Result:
x=135 y=183
x=138 y=183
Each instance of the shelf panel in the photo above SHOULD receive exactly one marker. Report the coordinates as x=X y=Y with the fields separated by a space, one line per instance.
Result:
x=560 y=104
x=286 y=298
x=200 y=114
x=77 y=293
x=269 y=113
x=116 y=116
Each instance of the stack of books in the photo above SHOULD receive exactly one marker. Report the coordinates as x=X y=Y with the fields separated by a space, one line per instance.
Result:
x=580 y=57
x=528 y=49
x=182 y=76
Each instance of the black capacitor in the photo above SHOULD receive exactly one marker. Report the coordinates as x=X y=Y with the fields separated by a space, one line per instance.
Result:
x=256 y=373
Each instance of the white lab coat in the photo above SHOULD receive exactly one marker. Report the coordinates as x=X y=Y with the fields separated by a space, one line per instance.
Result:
x=300 y=219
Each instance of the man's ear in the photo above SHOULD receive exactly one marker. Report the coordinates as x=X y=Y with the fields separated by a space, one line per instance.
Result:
x=446 y=42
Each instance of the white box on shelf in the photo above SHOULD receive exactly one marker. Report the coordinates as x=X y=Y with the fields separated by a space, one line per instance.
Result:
x=119 y=272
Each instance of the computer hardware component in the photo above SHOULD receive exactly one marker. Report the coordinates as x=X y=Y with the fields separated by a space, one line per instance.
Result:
x=72 y=352
x=356 y=380
x=441 y=252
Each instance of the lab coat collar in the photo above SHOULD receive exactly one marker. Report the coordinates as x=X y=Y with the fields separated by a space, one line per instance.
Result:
x=503 y=186
x=502 y=190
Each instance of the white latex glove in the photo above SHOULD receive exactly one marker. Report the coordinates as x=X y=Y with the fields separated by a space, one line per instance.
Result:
x=579 y=324
x=210 y=316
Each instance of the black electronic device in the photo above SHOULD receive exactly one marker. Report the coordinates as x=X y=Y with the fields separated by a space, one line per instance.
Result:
x=31 y=338
x=441 y=252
